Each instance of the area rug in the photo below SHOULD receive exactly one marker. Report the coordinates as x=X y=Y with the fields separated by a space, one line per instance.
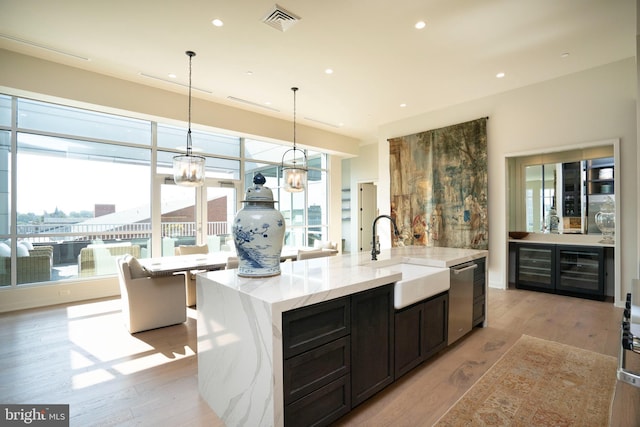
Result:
x=539 y=383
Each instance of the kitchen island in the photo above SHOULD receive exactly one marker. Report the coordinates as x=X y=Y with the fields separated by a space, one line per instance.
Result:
x=240 y=328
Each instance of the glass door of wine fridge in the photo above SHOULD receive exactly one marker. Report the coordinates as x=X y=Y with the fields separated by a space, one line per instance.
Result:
x=534 y=267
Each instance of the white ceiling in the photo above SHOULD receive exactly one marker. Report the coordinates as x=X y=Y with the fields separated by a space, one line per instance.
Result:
x=379 y=59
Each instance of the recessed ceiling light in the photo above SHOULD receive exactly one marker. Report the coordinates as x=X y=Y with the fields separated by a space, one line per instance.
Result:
x=500 y=75
x=420 y=25
x=403 y=105
x=217 y=22
x=249 y=73
x=328 y=71
x=172 y=76
x=564 y=55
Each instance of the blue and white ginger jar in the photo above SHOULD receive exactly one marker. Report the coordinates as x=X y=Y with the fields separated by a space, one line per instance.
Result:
x=258 y=232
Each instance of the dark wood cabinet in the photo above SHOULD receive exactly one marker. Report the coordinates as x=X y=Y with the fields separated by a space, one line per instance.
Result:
x=600 y=176
x=571 y=190
x=317 y=363
x=479 y=292
x=420 y=332
x=372 y=337
x=337 y=354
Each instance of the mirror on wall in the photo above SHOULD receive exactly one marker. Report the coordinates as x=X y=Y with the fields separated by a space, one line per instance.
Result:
x=560 y=191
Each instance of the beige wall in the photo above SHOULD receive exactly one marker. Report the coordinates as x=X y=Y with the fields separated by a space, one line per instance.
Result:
x=594 y=105
x=28 y=76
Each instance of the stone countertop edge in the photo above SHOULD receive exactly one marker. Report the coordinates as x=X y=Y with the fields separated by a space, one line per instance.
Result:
x=303 y=283
x=568 y=239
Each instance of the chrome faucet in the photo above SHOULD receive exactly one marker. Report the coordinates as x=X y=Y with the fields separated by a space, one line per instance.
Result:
x=374 y=249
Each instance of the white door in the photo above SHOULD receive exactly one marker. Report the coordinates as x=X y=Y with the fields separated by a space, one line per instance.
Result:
x=367 y=212
x=200 y=215
x=218 y=213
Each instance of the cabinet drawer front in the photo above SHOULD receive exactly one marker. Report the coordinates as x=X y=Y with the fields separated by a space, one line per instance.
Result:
x=315 y=368
x=309 y=327
x=321 y=407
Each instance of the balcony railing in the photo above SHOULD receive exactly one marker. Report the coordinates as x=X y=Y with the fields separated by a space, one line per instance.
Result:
x=42 y=233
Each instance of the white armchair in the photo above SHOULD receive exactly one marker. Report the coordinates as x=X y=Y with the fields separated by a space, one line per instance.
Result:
x=150 y=302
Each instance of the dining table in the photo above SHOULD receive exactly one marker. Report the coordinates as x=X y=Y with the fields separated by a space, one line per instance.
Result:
x=162 y=266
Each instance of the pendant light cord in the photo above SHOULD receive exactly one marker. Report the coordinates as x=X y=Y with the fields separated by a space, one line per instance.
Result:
x=190 y=54
x=294 y=89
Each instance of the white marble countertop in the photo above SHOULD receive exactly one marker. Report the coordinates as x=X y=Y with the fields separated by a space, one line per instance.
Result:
x=433 y=257
x=307 y=282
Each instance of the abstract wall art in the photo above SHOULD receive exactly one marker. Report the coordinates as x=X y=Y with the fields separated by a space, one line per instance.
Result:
x=439 y=186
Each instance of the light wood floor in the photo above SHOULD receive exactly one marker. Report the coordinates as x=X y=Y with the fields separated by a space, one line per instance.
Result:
x=81 y=354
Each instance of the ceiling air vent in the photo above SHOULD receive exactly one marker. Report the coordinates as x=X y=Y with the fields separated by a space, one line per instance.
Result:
x=255 y=104
x=280 y=18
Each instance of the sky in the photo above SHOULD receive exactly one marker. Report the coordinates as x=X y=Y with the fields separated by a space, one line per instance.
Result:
x=75 y=185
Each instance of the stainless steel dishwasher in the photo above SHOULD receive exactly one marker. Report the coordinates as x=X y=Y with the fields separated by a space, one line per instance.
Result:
x=460 y=300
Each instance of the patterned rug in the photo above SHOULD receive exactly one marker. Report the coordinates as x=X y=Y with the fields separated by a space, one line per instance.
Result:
x=539 y=383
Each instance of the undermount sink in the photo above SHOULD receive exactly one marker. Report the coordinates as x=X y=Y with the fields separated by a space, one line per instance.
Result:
x=418 y=282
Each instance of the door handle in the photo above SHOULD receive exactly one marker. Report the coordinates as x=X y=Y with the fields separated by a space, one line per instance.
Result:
x=463 y=269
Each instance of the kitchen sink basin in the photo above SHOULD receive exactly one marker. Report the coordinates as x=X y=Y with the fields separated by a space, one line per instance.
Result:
x=418 y=282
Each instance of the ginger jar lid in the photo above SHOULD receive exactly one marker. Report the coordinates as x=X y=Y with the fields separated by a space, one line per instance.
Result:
x=258 y=192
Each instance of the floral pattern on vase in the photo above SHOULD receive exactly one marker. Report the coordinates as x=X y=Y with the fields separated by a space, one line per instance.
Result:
x=258 y=233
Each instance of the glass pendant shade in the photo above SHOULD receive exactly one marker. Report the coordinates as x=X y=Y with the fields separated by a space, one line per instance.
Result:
x=188 y=170
x=295 y=179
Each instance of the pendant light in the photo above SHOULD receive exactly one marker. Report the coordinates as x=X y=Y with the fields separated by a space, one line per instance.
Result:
x=295 y=174
x=188 y=170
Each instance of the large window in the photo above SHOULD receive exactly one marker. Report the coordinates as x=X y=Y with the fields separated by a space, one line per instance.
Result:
x=74 y=195
x=77 y=189
x=305 y=213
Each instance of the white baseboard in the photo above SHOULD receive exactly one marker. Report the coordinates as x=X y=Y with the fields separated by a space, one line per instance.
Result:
x=31 y=296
